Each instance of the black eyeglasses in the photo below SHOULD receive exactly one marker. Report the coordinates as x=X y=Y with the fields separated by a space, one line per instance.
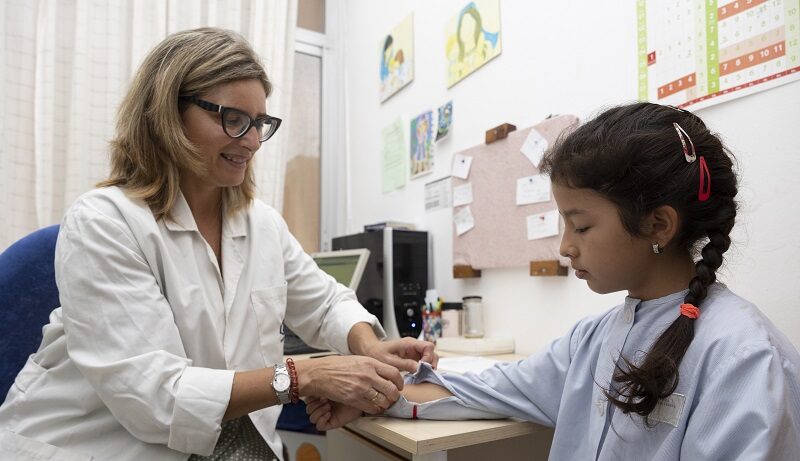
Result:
x=235 y=122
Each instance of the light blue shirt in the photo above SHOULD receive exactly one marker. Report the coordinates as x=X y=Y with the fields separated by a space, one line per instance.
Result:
x=738 y=397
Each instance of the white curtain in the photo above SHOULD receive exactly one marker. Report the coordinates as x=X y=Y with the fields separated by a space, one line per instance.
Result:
x=65 y=66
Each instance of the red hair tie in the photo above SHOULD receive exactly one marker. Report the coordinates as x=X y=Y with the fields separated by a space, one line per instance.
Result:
x=690 y=310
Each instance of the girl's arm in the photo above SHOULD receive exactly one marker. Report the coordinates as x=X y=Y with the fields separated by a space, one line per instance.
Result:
x=424 y=392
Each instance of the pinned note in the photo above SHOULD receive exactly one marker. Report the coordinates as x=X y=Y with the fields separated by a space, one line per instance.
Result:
x=543 y=225
x=462 y=195
x=533 y=189
x=461 y=165
x=463 y=220
x=534 y=147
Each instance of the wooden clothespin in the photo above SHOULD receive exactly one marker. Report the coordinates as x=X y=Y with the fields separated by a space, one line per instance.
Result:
x=499 y=132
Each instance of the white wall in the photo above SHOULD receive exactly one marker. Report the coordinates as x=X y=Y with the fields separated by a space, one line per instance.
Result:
x=561 y=57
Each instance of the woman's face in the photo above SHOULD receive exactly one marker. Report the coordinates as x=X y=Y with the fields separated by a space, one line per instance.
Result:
x=226 y=159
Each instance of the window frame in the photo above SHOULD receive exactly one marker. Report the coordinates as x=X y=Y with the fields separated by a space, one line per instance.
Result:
x=333 y=160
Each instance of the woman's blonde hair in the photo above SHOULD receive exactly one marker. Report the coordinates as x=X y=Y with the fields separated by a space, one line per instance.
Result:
x=150 y=148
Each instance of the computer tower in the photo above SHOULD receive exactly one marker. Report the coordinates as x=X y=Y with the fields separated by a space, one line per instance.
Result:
x=395 y=279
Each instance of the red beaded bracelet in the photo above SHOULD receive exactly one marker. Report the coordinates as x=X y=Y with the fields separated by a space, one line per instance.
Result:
x=294 y=391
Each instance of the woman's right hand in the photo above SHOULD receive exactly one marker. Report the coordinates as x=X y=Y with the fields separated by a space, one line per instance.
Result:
x=356 y=381
x=327 y=415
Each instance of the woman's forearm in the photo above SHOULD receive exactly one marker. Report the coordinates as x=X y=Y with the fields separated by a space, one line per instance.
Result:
x=361 y=338
x=251 y=391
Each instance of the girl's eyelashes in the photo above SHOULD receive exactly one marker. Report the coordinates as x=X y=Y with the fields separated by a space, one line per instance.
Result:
x=581 y=230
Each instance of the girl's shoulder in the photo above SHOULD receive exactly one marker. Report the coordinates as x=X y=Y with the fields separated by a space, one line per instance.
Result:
x=729 y=323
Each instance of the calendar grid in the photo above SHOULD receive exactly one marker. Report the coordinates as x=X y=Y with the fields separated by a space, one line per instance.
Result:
x=702 y=52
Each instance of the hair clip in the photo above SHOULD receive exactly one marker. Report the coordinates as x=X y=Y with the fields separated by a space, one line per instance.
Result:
x=683 y=136
x=704 y=192
x=677 y=108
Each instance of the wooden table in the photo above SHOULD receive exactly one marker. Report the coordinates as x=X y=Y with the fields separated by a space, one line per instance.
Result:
x=391 y=439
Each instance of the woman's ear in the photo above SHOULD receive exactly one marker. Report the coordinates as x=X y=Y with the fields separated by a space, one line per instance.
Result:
x=661 y=225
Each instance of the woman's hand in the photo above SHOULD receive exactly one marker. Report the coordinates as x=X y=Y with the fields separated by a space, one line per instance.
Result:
x=327 y=415
x=360 y=382
x=404 y=353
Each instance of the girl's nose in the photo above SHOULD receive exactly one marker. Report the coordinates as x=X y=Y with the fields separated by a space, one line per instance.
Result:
x=566 y=249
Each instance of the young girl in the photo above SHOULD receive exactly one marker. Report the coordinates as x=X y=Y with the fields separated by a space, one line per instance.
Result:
x=684 y=369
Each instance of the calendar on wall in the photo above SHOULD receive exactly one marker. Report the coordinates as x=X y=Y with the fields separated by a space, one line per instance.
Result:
x=702 y=52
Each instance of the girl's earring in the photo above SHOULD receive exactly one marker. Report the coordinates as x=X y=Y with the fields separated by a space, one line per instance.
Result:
x=656 y=249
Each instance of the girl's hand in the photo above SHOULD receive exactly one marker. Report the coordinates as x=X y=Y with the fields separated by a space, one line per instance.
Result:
x=327 y=415
x=360 y=382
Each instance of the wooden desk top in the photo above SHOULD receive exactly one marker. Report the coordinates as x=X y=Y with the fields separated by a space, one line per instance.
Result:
x=422 y=436
x=426 y=436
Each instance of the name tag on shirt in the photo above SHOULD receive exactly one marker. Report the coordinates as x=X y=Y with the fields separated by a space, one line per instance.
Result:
x=669 y=410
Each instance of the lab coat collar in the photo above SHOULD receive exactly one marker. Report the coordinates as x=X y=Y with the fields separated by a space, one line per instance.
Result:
x=233 y=225
x=182 y=219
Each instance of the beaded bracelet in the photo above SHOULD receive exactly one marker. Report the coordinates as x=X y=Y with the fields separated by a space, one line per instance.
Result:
x=294 y=389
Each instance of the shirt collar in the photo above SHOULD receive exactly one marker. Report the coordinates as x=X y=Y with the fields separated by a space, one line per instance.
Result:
x=674 y=299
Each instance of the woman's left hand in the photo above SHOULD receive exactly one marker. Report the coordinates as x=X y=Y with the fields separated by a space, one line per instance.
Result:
x=404 y=353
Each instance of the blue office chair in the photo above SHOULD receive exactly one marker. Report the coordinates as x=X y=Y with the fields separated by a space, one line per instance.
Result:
x=28 y=294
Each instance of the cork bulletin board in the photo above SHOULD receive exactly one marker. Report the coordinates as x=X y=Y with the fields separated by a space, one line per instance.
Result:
x=499 y=238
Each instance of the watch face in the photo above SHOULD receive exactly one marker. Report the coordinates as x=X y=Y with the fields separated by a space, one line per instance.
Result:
x=281 y=382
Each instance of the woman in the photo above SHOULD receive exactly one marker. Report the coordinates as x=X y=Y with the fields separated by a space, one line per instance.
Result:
x=175 y=282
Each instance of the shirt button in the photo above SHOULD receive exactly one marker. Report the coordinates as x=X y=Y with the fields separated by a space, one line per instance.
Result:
x=600 y=408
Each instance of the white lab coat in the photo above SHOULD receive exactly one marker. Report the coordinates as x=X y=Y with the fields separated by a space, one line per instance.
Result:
x=138 y=362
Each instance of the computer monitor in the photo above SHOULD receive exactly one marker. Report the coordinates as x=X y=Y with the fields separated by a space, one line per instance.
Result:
x=346 y=266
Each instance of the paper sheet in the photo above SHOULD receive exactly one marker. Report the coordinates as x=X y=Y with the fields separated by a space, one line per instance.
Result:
x=534 y=147
x=463 y=220
x=542 y=225
x=438 y=194
x=393 y=156
x=461 y=165
x=533 y=189
x=462 y=195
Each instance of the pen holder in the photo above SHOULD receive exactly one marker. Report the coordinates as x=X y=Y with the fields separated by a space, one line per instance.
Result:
x=431 y=325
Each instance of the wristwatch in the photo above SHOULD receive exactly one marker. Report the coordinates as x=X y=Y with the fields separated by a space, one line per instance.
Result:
x=282 y=383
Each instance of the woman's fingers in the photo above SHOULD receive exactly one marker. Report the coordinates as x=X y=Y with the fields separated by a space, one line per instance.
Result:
x=354 y=381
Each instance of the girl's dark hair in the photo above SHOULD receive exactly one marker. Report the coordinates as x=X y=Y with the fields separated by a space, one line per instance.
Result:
x=633 y=156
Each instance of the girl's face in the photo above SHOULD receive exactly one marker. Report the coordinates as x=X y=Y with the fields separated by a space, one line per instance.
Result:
x=601 y=250
x=226 y=159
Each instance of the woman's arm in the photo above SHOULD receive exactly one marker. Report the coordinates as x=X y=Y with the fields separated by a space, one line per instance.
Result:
x=359 y=382
x=327 y=415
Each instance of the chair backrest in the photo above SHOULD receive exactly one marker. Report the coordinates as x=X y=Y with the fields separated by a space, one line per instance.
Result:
x=28 y=294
